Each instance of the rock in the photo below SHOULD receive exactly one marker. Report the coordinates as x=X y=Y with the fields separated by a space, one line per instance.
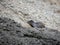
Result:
x=36 y=24
x=46 y=11
x=12 y=33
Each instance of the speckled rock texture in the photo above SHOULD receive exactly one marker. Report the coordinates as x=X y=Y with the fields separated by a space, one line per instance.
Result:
x=14 y=18
x=46 y=11
x=12 y=33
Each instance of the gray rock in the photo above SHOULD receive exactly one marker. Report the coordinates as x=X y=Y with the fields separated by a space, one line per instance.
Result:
x=12 y=33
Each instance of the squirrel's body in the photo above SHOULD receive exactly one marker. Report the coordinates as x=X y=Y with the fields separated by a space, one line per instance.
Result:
x=36 y=24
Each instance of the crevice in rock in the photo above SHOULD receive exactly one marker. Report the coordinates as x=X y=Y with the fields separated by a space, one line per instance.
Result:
x=31 y=36
x=44 y=39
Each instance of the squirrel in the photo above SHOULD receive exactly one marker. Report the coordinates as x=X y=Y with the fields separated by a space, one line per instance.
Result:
x=36 y=24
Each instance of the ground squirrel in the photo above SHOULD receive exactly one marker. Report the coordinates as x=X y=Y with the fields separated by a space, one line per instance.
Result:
x=36 y=24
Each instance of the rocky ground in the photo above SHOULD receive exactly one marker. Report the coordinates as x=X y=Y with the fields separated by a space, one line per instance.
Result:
x=46 y=11
x=12 y=33
x=29 y=22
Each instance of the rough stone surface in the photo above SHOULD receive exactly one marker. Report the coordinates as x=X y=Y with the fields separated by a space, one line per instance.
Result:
x=46 y=11
x=12 y=33
x=21 y=11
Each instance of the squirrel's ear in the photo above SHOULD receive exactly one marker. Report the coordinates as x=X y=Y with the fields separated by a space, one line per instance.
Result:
x=31 y=23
